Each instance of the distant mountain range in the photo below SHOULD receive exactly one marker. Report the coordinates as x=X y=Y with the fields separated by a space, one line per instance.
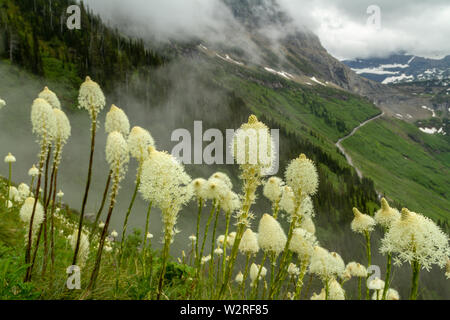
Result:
x=401 y=68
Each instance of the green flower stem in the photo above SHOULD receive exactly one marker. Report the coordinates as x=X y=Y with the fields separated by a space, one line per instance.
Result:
x=247 y=262
x=388 y=276
x=197 y=235
x=369 y=261
x=211 y=216
x=299 y=286
x=9 y=183
x=415 y=280
x=213 y=246
x=256 y=281
x=224 y=260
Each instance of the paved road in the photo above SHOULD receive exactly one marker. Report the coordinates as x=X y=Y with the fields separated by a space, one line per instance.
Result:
x=339 y=143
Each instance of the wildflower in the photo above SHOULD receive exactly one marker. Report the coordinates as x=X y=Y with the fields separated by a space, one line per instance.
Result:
x=206 y=259
x=62 y=126
x=271 y=236
x=239 y=278
x=335 y=291
x=60 y=194
x=293 y=270
x=307 y=208
x=23 y=191
x=193 y=238
x=230 y=239
x=390 y=295
x=224 y=178
x=117 y=120
x=308 y=224
x=117 y=154
x=27 y=210
x=165 y=183
x=218 y=252
x=139 y=141
x=254 y=270
x=386 y=215
x=320 y=296
x=108 y=248
x=253 y=147
x=10 y=158
x=91 y=98
x=287 y=202
x=9 y=204
x=302 y=177
x=249 y=243
x=273 y=189
x=356 y=270
x=84 y=246
x=415 y=238
x=220 y=240
x=33 y=172
x=216 y=189
x=50 y=97
x=114 y=234
x=230 y=202
x=149 y=236
x=2 y=103
x=101 y=225
x=376 y=284
x=362 y=223
x=13 y=194
x=302 y=243
x=326 y=265
x=199 y=188
x=43 y=121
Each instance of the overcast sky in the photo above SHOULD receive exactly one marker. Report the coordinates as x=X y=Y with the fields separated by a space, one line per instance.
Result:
x=419 y=27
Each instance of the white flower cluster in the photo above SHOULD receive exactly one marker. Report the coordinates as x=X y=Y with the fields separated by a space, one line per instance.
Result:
x=273 y=189
x=254 y=270
x=362 y=222
x=249 y=243
x=62 y=127
x=117 y=120
x=415 y=238
x=50 y=97
x=2 y=104
x=386 y=216
x=326 y=265
x=10 y=158
x=165 y=183
x=301 y=176
x=43 y=121
x=91 y=98
x=357 y=270
x=27 y=210
x=139 y=141
x=84 y=245
x=271 y=237
x=117 y=154
x=303 y=243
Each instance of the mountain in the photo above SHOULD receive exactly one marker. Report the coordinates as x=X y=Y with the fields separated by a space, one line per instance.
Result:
x=401 y=68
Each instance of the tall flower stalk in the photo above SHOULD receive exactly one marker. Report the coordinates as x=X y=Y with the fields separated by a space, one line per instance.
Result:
x=92 y=99
x=117 y=155
x=9 y=159
x=44 y=126
x=165 y=183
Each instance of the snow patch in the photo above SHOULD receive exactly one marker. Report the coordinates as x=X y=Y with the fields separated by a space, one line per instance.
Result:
x=283 y=74
x=411 y=60
x=428 y=130
x=317 y=81
x=429 y=109
x=397 y=79
x=227 y=58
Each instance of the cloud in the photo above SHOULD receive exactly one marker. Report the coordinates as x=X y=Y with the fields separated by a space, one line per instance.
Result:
x=417 y=27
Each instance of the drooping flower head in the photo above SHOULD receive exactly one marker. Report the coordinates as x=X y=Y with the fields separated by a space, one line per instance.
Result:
x=249 y=243
x=386 y=215
x=91 y=98
x=301 y=176
x=117 y=154
x=50 y=97
x=362 y=223
x=303 y=243
x=43 y=121
x=10 y=158
x=117 y=120
x=165 y=183
x=139 y=141
x=271 y=237
x=416 y=238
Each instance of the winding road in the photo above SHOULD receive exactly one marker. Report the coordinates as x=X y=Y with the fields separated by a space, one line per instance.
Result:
x=341 y=148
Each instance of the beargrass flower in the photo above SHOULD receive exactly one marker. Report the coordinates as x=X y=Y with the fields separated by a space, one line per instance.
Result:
x=303 y=243
x=356 y=270
x=271 y=237
x=33 y=172
x=386 y=215
x=91 y=98
x=302 y=177
x=139 y=141
x=335 y=291
x=376 y=284
x=10 y=158
x=84 y=246
x=273 y=189
x=50 y=97
x=326 y=265
x=239 y=278
x=117 y=120
x=2 y=103
x=362 y=223
x=249 y=243
x=27 y=210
